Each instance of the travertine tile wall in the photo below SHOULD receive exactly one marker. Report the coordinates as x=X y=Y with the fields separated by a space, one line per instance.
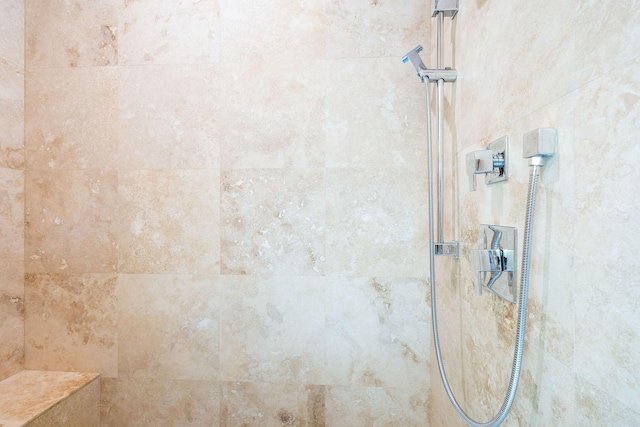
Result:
x=573 y=66
x=11 y=187
x=226 y=209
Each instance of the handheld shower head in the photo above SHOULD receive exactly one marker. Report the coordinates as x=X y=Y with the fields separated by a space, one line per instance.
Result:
x=416 y=61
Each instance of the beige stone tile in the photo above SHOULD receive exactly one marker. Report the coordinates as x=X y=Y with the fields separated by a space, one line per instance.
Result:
x=524 y=59
x=450 y=331
x=168 y=32
x=606 y=234
x=273 y=116
x=67 y=33
x=12 y=118
x=376 y=406
x=169 y=129
x=375 y=28
x=605 y=34
x=489 y=325
x=487 y=354
x=550 y=321
x=378 y=122
x=545 y=394
x=71 y=323
x=376 y=222
x=81 y=409
x=142 y=402
x=277 y=27
x=29 y=393
x=272 y=405
x=378 y=332
x=168 y=222
x=70 y=219
x=273 y=222
x=12 y=221
x=71 y=118
x=168 y=327
x=12 y=315
x=12 y=25
x=596 y=408
x=273 y=330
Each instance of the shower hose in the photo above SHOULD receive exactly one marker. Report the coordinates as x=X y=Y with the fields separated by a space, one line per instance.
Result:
x=523 y=298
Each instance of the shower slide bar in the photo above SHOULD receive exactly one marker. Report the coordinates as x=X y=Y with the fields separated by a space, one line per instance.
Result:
x=439 y=76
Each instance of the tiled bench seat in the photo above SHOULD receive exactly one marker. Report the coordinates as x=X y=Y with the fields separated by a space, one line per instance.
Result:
x=51 y=399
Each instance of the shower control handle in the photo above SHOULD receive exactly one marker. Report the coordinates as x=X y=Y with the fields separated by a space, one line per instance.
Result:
x=478 y=162
x=491 y=162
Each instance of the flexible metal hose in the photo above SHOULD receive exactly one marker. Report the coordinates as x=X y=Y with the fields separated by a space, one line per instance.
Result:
x=523 y=299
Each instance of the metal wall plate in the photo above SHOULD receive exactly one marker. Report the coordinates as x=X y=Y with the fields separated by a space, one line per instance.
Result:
x=494 y=263
x=499 y=148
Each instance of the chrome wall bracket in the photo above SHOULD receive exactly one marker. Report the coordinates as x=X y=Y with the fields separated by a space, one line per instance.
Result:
x=493 y=162
x=446 y=7
x=429 y=74
x=448 y=75
x=494 y=264
x=447 y=249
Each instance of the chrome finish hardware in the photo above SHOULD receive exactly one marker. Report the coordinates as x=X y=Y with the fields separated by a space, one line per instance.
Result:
x=430 y=74
x=448 y=249
x=447 y=7
x=493 y=162
x=416 y=61
x=539 y=144
x=448 y=75
x=494 y=264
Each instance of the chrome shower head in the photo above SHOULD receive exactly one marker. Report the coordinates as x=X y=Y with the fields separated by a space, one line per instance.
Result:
x=415 y=59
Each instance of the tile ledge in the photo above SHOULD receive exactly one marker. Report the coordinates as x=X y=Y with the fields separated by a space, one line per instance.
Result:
x=28 y=394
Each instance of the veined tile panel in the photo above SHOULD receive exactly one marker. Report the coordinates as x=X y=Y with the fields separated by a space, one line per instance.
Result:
x=12 y=25
x=137 y=402
x=377 y=406
x=70 y=323
x=281 y=28
x=12 y=315
x=168 y=32
x=517 y=66
x=169 y=129
x=376 y=114
x=168 y=222
x=545 y=392
x=595 y=408
x=168 y=327
x=71 y=118
x=450 y=330
x=607 y=235
x=376 y=28
x=272 y=330
x=274 y=112
x=68 y=33
x=272 y=405
x=12 y=117
x=606 y=32
x=70 y=221
x=12 y=221
x=378 y=332
x=273 y=222
x=377 y=222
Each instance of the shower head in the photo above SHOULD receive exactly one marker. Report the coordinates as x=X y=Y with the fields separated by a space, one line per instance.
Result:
x=415 y=59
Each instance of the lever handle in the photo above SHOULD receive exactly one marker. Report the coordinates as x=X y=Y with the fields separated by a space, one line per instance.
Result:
x=478 y=162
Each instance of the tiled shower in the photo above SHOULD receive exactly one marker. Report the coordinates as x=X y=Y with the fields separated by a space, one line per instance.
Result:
x=220 y=206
